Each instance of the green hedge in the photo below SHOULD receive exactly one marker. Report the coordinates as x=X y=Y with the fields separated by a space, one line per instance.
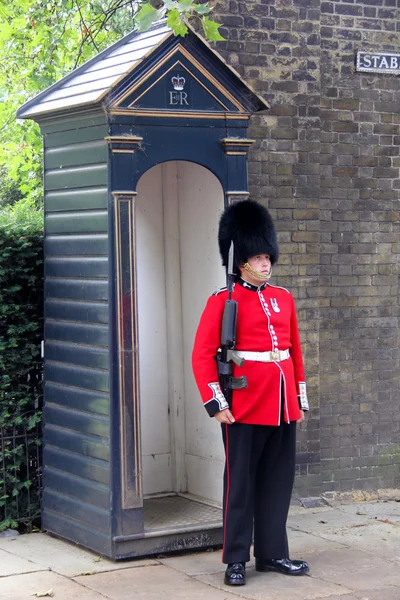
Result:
x=21 y=322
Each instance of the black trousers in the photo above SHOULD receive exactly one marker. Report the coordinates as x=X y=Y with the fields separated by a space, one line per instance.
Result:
x=258 y=483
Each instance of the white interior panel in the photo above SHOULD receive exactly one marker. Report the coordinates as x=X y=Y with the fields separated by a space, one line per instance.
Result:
x=157 y=473
x=201 y=203
x=178 y=266
x=205 y=477
x=153 y=372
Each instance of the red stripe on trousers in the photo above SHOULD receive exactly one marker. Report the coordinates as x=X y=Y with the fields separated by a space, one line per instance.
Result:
x=228 y=483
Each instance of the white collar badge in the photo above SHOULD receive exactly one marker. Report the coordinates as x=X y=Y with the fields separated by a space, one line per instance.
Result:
x=274 y=305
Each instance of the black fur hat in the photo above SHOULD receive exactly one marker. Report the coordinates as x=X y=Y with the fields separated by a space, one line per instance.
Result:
x=249 y=225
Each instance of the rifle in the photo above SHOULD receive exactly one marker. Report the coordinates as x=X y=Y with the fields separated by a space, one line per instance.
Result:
x=227 y=355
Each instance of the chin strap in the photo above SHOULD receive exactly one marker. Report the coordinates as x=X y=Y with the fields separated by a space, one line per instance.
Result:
x=257 y=274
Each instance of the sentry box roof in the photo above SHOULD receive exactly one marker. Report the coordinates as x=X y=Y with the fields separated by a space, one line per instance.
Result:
x=119 y=78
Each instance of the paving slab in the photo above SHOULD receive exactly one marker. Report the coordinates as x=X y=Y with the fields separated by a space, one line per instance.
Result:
x=61 y=556
x=196 y=563
x=12 y=565
x=355 y=569
x=326 y=519
x=305 y=545
x=377 y=537
x=152 y=583
x=273 y=586
x=377 y=594
x=381 y=511
x=23 y=587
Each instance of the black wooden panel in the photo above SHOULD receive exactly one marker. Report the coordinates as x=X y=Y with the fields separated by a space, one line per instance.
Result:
x=78 y=421
x=74 y=266
x=76 y=289
x=82 y=466
x=91 y=243
x=78 y=333
x=78 y=199
x=81 y=128
x=83 y=356
x=91 y=379
x=81 y=511
x=87 y=491
x=74 y=441
x=83 y=153
x=73 y=397
x=78 y=533
x=76 y=222
x=94 y=312
x=76 y=177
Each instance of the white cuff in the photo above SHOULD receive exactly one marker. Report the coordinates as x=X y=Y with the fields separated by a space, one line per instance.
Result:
x=218 y=396
x=303 y=396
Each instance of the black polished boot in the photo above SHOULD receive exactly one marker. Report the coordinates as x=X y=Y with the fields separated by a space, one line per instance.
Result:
x=282 y=565
x=235 y=574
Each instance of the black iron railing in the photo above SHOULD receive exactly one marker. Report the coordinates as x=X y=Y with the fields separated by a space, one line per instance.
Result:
x=20 y=474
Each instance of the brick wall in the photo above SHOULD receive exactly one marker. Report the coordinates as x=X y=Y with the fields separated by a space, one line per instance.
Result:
x=359 y=287
x=326 y=163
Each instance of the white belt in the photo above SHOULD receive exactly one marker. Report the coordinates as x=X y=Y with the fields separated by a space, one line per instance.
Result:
x=274 y=356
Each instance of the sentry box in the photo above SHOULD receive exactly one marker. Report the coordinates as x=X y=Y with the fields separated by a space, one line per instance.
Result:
x=144 y=145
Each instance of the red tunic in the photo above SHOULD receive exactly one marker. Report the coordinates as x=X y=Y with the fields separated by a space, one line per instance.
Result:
x=266 y=321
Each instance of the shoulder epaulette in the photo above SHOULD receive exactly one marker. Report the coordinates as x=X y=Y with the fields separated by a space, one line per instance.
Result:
x=219 y=291
x=279 y=287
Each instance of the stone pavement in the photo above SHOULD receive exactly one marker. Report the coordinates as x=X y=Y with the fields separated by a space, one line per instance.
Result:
x=353 y=549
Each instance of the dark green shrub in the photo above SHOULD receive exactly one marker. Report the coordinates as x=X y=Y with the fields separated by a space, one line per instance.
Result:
x=21 y=321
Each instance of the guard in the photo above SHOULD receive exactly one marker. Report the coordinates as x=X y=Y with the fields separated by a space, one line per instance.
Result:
x=252 y=381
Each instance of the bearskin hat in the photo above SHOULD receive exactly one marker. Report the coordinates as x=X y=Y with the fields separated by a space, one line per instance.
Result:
x=249 y=225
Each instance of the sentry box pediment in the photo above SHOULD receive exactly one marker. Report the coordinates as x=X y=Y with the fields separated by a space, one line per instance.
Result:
x=178 y=82
x=143 y=147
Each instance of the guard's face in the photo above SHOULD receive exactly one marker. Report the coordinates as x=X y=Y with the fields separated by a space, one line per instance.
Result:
x=261 y=263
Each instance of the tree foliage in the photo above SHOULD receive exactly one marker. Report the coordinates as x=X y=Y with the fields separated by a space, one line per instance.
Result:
x=41 y=41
